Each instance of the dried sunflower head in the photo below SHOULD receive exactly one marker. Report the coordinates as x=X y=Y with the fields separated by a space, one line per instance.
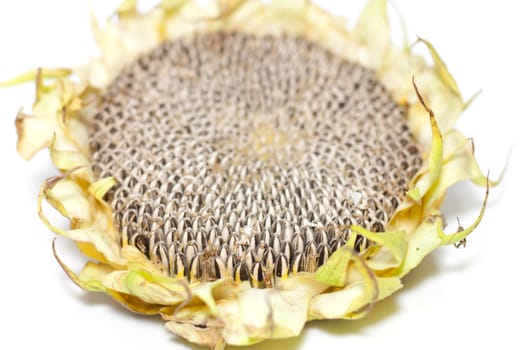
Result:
x=242 y=168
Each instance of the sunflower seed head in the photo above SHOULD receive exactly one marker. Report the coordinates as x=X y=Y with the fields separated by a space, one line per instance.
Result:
x=248 y=157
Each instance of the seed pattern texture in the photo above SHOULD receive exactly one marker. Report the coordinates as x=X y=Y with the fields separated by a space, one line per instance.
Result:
x=249 y=157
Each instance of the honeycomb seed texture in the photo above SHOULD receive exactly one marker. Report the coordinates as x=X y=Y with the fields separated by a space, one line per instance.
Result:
x=248 y=157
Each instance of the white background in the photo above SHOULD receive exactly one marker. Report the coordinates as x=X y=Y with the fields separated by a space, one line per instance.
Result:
x=455 y=299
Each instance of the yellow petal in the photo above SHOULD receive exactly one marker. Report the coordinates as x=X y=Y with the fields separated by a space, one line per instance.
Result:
x=101 y=187
x=206 y=336
x=257 y=314
x=290 y=7
x=441 y=68
x=43 y=73
x=127 y=7
x=150 y=289
x=334 y=272
x=68 y=198
x=435 y=160
x=462 y=233
x=372 y=33
x=394 y=242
